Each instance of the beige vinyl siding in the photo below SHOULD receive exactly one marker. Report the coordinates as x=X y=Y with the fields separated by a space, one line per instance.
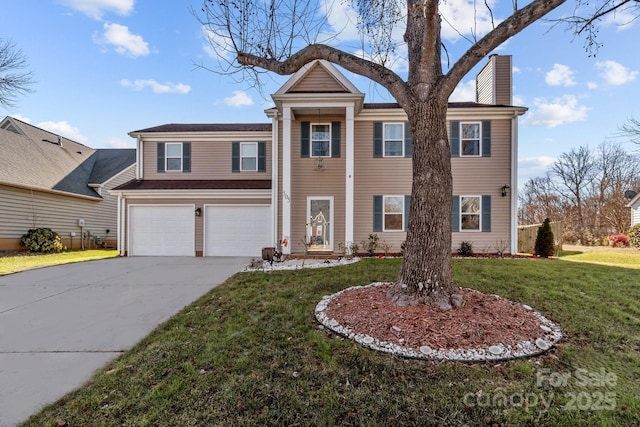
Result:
x=494 y=81
x=476 y=176
x=317 y=80
x=199 y=202
x=305 y=181
x=22 y=209
x=210 y=160
x=635 y=214
x=386 y=176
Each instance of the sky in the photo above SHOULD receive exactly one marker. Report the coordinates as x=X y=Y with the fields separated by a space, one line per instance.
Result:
x=104 y=68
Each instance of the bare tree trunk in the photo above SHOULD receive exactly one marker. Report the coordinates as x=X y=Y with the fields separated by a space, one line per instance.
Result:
x=429 y=279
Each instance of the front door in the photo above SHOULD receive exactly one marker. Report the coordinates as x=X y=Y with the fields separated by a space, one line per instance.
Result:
x=320 y=224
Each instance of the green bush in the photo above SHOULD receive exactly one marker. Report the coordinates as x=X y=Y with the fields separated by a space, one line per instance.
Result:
x=545 y=246
x=634 y=236
x=42 y=240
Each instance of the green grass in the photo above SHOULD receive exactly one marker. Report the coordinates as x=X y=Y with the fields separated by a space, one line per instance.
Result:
x=15 y=262
x=621 y=257
x=249 y=353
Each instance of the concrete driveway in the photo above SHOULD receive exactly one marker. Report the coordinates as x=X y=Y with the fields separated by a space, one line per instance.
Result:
x=59 y=324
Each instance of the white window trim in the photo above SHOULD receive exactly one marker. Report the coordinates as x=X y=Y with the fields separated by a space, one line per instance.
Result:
x=248 y=157
x=331 y=216
x=311 y=139
x=167 y=157
x=384 y=214
x=384 y=138
x=462 y=139
x=479 y=197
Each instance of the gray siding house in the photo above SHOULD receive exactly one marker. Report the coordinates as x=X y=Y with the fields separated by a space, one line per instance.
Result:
x=54 y=182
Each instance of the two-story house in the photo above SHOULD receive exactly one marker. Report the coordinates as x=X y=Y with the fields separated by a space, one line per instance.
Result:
x=328 y=170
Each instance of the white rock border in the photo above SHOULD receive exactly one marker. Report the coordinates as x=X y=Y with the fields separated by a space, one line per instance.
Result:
x=550 y=335
x=299 y=264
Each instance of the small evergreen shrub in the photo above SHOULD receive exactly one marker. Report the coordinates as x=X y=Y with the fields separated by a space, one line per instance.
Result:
x=618 y=240
x=634 y=236
x=465 y=249
x=42 y=240
x=545 y=246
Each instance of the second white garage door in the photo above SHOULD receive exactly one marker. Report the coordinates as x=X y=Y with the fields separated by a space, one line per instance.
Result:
x=162 y=230
x=237 y=230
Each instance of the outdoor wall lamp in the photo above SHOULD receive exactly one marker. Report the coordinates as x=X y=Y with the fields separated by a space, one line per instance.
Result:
x=505 y=190
x=198 y=211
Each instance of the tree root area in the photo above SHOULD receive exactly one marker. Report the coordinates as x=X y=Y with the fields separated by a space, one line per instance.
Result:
x=484 y=320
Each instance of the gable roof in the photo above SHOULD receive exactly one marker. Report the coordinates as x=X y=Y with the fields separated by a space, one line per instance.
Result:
x=39 y=159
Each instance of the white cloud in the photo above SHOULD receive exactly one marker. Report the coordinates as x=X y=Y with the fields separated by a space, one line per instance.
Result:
x=239 y=99
x=560 y=75
x=21 y=118
x=96 y=8
x=156 y=87
x=462 y=17
x=532 y=167
x=123 y=40
x=342 y=18
x=622 y=18
x=115 y=142
x=216 y=46
x=464 y=92
x=592 y=85
x=556 y=112
x=63 y=128
x=614 y=73
x=396 y=62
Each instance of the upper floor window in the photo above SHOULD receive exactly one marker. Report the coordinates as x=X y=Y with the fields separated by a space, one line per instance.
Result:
x=173 y=156
x=249 y=156
x=393 y=140
x=470 y=139
x=320 y=140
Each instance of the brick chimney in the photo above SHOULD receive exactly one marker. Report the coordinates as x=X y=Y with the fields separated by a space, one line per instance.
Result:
x=494 y=84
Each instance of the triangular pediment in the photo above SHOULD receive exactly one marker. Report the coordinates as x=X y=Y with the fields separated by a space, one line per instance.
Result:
x=318 y=77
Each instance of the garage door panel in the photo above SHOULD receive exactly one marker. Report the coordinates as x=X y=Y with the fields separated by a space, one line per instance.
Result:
x=162 y=231
x=237 y=230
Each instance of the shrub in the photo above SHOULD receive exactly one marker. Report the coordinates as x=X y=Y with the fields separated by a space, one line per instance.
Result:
x=634 y=236
x=618 y=240
x=42 y=240
x=371 y=244
x=544 y=240
x=465 y=249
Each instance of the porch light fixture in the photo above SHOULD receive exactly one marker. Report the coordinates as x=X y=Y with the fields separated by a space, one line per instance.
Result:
x=198 y=211
x=505 y=190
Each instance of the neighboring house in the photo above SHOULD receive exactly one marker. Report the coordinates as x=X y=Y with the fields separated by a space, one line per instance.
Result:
x=634 y=204
x=328 y=170
x=51 y=181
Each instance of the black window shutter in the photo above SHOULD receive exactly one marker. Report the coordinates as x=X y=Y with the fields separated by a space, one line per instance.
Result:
x=486 y=213
x=486 y=138
x=235 y=157
x=305 y=138
x=455 y=214
x=407 y=208
x=262 y=156
x=160 y=156
x=377 y=139
x=377 y=213
x=408 y=147
x=335 y=139
x=186 y=157
x=454 y=138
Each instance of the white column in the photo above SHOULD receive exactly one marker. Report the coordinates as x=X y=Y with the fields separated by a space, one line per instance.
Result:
x=286 y=178
x=274 y=179
x=349 y=177
x=513 y=194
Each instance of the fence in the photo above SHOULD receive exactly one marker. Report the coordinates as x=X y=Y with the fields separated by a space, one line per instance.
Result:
x=527 y=236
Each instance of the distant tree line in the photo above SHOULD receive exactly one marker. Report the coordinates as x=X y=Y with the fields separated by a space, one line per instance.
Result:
x=585 y=188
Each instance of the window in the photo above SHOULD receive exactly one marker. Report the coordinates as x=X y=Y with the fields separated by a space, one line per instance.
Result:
x=470 y=139
x=320 y=140
x=393 y=213
x=393 y=140
x=173 y=157
x=249 y=156
x=470 y=210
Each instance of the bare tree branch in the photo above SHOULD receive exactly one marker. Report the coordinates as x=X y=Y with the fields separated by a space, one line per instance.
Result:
x=13 y=80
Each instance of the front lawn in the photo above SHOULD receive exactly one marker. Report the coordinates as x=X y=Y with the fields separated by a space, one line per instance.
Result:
x=605 y=255
x=19 y=261
x=249 y=353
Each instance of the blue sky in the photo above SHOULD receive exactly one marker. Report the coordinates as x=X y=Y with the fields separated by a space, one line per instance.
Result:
x=104 y=68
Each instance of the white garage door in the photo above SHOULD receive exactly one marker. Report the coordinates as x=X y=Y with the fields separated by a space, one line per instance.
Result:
x=162 y=230
x=237 y=230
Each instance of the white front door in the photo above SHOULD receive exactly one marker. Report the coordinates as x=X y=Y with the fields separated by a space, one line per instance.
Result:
x=320 y=223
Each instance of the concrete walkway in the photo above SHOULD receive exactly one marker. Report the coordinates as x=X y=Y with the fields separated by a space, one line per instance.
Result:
x=59 y=324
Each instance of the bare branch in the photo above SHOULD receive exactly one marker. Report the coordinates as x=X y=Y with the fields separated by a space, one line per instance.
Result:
x=13 y=80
